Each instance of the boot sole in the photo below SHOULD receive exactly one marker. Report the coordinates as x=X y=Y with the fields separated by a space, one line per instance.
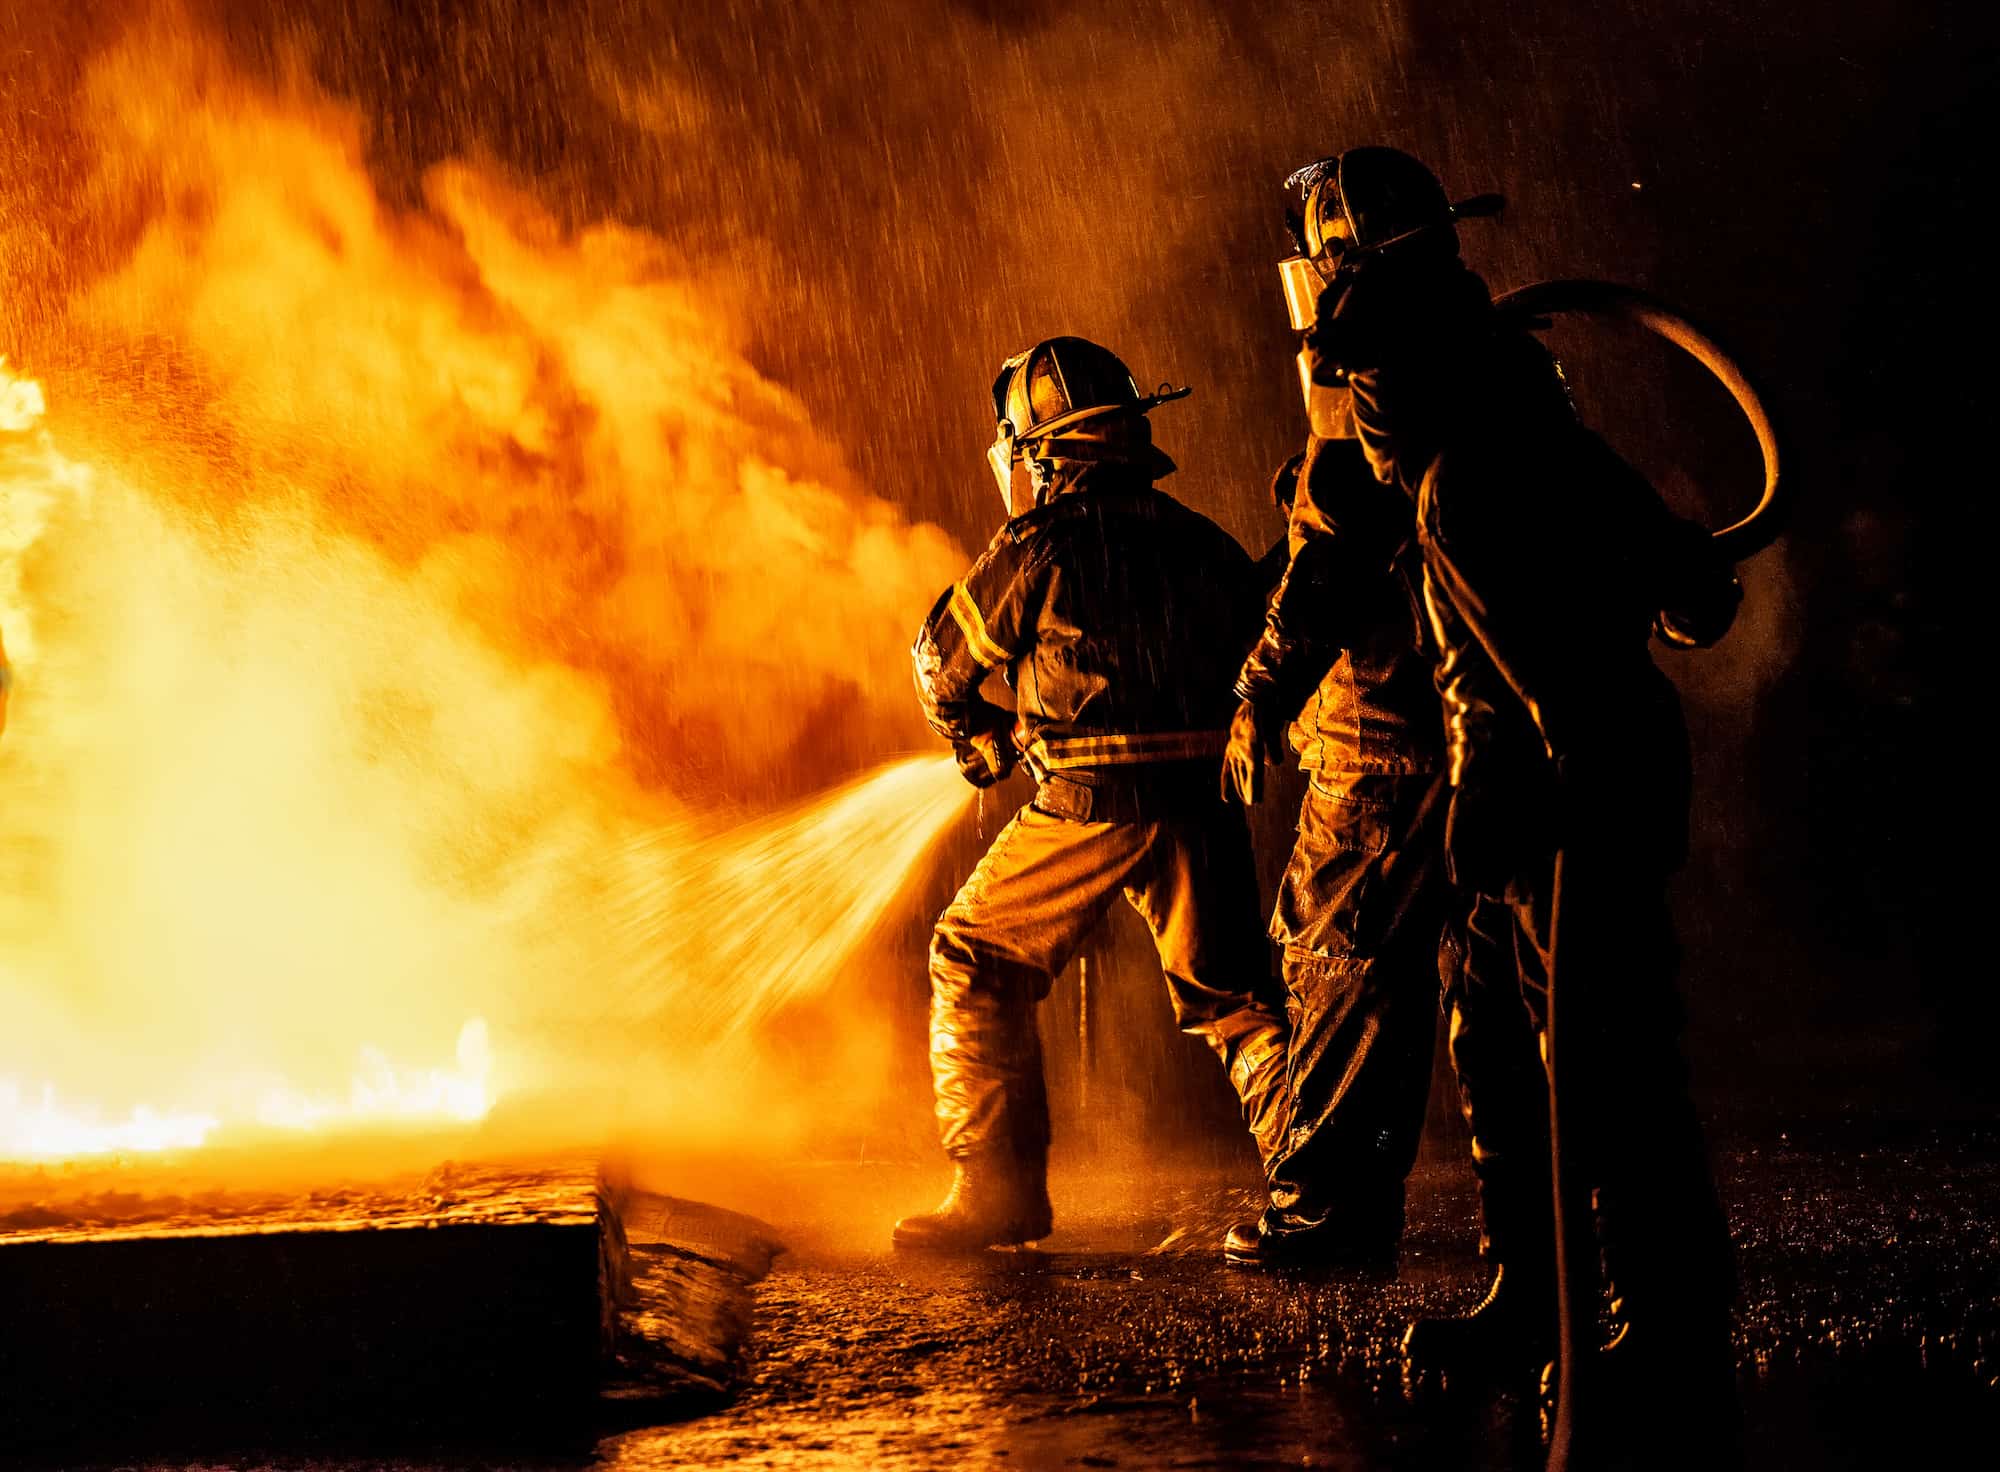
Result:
x=1371 y=1267
x=1305 y=1259
x=1523 y=1360
x=965 y=1246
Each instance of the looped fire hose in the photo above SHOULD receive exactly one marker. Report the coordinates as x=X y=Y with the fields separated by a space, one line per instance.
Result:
x=1740 y=540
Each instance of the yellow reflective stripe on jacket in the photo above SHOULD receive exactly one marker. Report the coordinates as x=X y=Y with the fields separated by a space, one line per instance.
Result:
x=1143 y=746
x=965 y=613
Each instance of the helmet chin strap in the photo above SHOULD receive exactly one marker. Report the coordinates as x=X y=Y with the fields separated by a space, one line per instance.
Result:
x=1041 y=475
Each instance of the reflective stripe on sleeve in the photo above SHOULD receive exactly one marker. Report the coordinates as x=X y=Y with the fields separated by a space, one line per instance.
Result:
x=1142 y=746
x=965 y=613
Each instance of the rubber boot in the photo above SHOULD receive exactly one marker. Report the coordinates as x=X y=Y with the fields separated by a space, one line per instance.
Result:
x=1512 y=1328
x=1669 y=1372
x=1659 y=1402
x=992 y=1203
x=1672 y=1392
x=1367 y=1240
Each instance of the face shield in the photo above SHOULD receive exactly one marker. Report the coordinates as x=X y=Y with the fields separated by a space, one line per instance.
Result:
x=1018 y=492
x=1329 y=408
x=1325 y=236
x=1300 y=279
x=1003 y=456
x=1326 y=247
x=1000 y=458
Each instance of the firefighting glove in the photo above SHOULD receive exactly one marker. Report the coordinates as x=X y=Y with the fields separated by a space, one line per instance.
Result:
x=1701 y=594
x=987 y=758
x=1252 y=737
x=1700 y=622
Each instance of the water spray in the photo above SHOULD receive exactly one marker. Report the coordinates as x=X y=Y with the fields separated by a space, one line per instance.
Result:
x=719 y=936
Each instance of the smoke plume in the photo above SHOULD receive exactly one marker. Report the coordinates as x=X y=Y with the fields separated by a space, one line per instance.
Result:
x=379 y=580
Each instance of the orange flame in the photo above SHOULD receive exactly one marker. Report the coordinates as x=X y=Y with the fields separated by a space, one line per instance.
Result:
x=37 y=1125
x=381 y=573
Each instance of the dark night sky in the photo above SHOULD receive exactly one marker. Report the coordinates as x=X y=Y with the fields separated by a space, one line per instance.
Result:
x=907 y=192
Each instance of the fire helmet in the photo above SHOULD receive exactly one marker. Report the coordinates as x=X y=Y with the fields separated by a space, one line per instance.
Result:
x=1068 y=399
x=1358 y=205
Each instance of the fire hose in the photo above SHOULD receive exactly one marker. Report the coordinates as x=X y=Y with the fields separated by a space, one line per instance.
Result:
x=1572 y=1447
x=1742 y=539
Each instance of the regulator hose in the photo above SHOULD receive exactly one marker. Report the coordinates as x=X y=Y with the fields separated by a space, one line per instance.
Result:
x=1740 y=540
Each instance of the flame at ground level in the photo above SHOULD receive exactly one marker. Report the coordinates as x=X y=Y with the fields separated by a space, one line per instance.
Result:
x=698 y=939
x=40 y=1125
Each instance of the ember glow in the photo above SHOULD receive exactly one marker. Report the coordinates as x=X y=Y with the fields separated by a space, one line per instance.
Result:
x=390 y=650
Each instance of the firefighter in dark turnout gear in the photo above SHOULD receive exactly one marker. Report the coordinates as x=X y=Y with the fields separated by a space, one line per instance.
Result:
x=1118 y=616
x=1547 y=563
x=1343 y=669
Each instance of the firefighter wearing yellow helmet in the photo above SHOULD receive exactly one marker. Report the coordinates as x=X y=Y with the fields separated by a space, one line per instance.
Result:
x=1118 y=616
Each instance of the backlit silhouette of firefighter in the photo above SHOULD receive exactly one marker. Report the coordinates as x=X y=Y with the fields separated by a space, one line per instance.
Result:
x=1342 y=674
x=1548 y=563
x=1118 y=616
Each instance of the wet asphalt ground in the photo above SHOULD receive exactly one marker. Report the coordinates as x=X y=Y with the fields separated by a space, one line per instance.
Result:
x=1867 y=1335
x=1868 y=1331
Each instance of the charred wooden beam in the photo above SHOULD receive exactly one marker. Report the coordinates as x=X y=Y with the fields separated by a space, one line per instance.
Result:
x=685 y=1330
x=138 y=1307
x=479 y=1293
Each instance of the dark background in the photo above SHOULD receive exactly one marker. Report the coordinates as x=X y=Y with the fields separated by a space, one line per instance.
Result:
x=907 y=192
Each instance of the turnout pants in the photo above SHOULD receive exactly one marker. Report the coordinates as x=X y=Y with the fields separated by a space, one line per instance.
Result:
x=1042 y=886
x=1363 y=903
x=1662 y=1235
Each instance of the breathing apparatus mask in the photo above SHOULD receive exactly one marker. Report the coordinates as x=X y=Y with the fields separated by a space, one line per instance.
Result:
x=1064 y=404
x=1358 y=206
